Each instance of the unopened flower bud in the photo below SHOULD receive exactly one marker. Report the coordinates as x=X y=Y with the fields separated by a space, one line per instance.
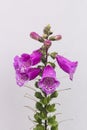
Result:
x=55 y=38
x=47 y=29
x=58 y=37
x=45 y=36
x=47 y=43
x=35 y=36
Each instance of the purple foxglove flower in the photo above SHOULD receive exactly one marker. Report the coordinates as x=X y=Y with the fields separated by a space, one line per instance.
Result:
x=35 y=36
x=33 y=73
x=48 y=83
x=47 y=43
x=23 y=69
x=36 y=57
x=22 y=63
x=67 y=65
x=21 y=78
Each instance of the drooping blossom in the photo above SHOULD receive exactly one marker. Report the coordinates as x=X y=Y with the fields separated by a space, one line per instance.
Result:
x=36 y=57
x=35 y=36
x=23 y=67
x=22 y=63
x=23 y=77
x=67 y=65
x=33 y=73
x=48 y=83
x=25 y=60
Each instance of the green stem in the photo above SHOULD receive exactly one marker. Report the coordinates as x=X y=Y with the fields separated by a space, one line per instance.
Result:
x=45 y=93
x=46 y=114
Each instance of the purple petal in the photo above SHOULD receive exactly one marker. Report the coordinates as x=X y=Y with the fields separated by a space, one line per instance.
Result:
x=49 y=72
x=48 y=83
x=21 y=78
x=33 y=73
x=67 y=65
x=36 y=57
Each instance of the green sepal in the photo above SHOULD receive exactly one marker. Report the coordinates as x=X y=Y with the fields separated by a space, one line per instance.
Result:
x=54 y=95
x=51 y=108
x=53 y=55
x=41 y=39
x=52 y=121
x=39 y=127
x=39 y=106
x=52 y=38
x=43 y=60
x=36 y=84
x=38 y=95
x=54 y=127
x=45 y=100
x=37 y=118
x=52 y=64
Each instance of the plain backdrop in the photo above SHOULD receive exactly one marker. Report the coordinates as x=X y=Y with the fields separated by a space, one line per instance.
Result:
x=17 y=19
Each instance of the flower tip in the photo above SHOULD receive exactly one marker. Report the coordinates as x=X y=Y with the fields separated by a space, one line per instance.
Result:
x=34 y=35
x=58 y=37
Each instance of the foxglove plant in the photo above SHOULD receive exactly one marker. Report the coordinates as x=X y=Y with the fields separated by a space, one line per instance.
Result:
x=37 y=64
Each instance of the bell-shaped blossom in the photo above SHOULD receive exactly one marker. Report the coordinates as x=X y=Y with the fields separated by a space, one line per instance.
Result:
x=67 y=65
x=23 y=77
x=36 y=57
x=22 y=63
x=33 y=73
x=35 y=36
x=48 y=83
x=23 y=67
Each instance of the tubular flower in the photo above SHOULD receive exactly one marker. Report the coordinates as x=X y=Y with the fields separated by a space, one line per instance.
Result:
x=67 y=65
x=36 y=57
x=23 y=65
x=30 y=74
x=33 y=73
x=35 y=36
x=48 y=83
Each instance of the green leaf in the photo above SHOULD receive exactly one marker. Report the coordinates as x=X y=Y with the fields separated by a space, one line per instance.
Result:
x=50 y=108
x=54 y=127
x=52 y=121
x=45 y=100
x=38 y=95
x=37 y=118
x=39 y=127
x=43 y=115
x=54 y=95
x=39 y=106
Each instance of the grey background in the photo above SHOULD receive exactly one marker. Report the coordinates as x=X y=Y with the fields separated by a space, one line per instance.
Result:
x=17 y=19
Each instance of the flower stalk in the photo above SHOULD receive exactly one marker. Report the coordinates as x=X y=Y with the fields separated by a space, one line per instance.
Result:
x=30 y=66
